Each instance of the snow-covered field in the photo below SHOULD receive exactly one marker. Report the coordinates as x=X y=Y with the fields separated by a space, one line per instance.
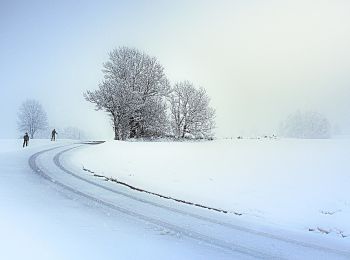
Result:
x=292 y=184
x=282 y=188
x=38 y=220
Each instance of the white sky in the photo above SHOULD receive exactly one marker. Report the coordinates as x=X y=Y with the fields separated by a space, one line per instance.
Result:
x=258 y=60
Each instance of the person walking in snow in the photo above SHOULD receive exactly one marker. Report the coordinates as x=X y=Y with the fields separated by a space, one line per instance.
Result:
x=25 y=140
x=53 y=135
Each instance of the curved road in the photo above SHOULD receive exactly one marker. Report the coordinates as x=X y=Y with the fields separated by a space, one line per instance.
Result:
x=186 y=221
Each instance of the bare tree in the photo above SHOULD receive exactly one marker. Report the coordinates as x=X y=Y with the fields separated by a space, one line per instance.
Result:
x=134 y=86
x=32 y=117
x=190 y=111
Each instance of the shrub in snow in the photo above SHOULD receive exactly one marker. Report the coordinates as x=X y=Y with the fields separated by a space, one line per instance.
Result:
x=306 y=125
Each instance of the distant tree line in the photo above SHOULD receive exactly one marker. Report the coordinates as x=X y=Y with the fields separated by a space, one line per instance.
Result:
x=307 y=125
x=141 y=102
x=69 y=132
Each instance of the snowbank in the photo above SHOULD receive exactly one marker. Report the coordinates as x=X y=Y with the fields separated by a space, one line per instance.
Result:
x=296 y=184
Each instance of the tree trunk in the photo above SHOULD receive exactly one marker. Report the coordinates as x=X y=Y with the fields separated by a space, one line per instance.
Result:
x=183 y=132
x=31 y=133
x=115 y=127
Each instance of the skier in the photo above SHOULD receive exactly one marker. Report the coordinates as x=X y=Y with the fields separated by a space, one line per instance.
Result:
x=53 y=135
x=25 y=140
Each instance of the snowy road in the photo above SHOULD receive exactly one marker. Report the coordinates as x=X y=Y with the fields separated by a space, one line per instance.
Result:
x=210 y=229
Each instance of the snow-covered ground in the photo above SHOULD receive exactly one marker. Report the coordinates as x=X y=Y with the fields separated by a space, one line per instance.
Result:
x=283 y=188
x=39 y=220
x=292 y=184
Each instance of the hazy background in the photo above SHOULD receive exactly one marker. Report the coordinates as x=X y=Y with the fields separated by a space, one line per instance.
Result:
x=258 y=60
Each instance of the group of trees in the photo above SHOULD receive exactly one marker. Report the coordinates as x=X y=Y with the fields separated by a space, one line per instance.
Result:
x=141 y=102
x=307 y=125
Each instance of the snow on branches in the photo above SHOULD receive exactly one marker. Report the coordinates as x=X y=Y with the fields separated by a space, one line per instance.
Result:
x=31 y=117
x=190 y=111
x=135 y=93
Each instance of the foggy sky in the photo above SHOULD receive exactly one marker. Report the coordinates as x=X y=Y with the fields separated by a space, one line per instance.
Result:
x=258 y=60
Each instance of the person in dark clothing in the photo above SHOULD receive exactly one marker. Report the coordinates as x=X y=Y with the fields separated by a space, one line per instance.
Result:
x=25 y=139
x=53 y=135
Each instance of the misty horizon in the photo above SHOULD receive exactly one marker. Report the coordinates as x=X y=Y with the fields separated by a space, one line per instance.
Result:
x=259 y=62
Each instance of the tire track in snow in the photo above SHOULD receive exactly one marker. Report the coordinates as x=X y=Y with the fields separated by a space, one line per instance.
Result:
x=182 y=231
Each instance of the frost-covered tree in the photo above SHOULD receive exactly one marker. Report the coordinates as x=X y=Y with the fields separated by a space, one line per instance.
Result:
x=132 y=93
x=152 y=119
x=306 y=125
x=116 y=102
x=190 y=111
x=31 y=117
